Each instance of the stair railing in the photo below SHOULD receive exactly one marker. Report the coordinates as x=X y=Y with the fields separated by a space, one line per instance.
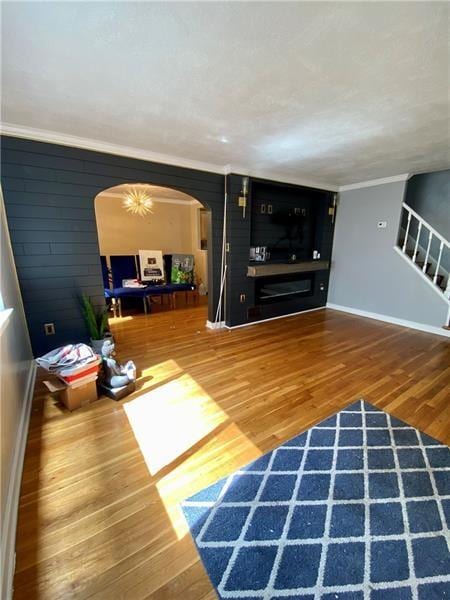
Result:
x=432 y=233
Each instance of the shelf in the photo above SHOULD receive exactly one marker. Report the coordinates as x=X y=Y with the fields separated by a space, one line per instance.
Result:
x=281 y=294
x=268 y=269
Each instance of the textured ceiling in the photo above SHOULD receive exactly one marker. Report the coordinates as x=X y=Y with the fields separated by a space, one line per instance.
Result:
x=333 y=92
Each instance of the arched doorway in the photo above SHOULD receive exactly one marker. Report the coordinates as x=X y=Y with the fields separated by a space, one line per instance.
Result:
x=134 y=218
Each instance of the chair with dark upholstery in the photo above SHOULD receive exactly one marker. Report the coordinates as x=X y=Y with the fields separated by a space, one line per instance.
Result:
x=153 y=289
x=127 y=267
x=124 y=267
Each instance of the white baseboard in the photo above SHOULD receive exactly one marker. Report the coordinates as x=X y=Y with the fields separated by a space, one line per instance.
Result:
x=300 y=312
x=215 y=325
x=8 y=543
x=388 y=319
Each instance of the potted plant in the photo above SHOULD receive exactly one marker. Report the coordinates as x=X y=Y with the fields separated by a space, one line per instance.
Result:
x=97 y=323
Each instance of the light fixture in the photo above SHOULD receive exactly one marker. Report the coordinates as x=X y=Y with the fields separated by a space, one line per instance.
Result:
x=138 y=202
x=242 y=200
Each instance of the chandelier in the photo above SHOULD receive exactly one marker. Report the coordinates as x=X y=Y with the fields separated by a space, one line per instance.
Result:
x=138 y=202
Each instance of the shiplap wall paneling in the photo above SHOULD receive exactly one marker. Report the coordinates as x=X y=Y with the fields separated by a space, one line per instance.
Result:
x=49 y=193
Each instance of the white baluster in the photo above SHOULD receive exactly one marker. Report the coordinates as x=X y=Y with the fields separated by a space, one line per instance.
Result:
x=433 y=234
x=447 y=290
x=424 y=268
x=417 y=242
x=407 y=232
x=438 y=264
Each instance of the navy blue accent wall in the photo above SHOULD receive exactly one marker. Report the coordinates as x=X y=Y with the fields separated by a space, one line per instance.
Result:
x=429 y=195
x=239 y=237
x=49 y=193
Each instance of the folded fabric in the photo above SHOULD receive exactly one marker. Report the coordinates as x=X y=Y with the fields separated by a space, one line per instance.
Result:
x=65 y=356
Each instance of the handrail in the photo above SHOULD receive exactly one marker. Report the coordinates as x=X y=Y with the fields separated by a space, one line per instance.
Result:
x=427 y=225
x=422 y=224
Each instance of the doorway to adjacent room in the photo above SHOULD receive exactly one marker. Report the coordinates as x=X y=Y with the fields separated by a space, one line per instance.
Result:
x=153 y=243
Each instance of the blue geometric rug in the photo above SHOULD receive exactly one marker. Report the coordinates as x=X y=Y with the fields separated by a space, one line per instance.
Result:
x=356 y=508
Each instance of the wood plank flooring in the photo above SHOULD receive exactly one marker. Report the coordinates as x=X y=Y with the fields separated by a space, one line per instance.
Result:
x=96 y=522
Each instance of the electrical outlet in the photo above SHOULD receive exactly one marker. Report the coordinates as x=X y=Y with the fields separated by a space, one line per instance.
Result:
x=49 y=328
x=242 y=298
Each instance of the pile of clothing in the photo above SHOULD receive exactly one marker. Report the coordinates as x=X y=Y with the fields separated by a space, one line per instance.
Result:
x=74 y=364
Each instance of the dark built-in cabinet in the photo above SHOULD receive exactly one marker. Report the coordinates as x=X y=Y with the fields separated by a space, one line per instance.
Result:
x=295 y=224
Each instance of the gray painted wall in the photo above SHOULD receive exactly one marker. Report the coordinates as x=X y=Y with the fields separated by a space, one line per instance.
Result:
x=367 y=273
x=15 y=366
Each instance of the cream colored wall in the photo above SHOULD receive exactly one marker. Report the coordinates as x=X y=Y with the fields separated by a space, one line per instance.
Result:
x=172 y=228
x=15 y=395
x=201 y=256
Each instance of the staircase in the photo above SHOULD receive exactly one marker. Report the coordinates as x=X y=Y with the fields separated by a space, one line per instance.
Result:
x=426 y=250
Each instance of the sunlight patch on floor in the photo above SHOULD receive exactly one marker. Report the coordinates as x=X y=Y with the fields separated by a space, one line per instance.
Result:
x=203 y=468
x=171 y=419
x=156 y=374
x=179 y=429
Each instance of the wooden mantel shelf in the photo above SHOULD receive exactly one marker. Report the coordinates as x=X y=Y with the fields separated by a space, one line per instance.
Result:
x=268 y=269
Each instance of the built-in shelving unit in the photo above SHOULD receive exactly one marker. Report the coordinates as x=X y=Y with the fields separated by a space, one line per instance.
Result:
x=295 y=224
x=272 y=268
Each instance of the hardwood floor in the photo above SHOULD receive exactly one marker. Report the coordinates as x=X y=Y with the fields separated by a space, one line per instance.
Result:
x=96 y=522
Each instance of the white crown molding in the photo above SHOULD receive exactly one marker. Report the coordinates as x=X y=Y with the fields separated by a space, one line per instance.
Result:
x=373 y=182
x=280 y=178
x=53 y=137
x=192 y=202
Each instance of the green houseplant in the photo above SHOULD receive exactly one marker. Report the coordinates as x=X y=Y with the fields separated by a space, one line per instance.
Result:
x=96 y=321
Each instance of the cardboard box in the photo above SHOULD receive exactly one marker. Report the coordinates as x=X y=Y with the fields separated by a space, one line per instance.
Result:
x=73 y=397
